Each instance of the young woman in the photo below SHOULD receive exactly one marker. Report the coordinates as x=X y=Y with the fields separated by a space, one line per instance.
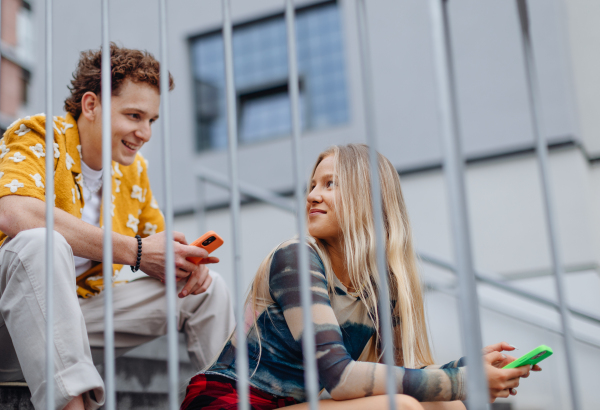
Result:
x=345 y=287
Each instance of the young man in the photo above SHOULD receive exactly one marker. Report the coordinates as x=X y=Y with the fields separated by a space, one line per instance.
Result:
x=204 y=307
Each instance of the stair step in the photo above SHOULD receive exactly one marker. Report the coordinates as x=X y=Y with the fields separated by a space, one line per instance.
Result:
x=141 y=384
x=141 y=401
x=146 y=375
x=15 y=397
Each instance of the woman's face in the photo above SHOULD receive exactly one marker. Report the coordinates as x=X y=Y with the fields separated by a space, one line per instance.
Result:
x=320 y=204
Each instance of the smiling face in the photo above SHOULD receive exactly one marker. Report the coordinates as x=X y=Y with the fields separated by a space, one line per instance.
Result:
x=133 y=111
x=320 y=204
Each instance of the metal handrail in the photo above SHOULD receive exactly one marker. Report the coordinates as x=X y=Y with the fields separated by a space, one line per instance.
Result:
x=249 y=190
x=509 y=288
x=272 y=198
x=520 y=316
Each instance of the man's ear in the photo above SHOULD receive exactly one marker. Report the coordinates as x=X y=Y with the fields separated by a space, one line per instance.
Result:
x=90 y=106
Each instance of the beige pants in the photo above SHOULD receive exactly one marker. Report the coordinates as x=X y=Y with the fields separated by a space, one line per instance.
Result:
x=139 y=316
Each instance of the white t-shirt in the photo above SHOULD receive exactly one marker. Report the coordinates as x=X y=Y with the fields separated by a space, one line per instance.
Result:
x=91 y=210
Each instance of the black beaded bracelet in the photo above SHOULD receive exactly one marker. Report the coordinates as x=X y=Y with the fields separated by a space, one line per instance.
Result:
x=139 y=254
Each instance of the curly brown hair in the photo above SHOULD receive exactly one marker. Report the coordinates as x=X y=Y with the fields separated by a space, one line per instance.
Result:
x=126 y=64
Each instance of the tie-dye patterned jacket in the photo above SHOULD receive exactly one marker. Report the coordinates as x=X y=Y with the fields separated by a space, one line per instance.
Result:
x=342 y=330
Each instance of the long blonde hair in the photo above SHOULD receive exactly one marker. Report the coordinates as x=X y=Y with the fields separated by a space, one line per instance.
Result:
x=355 y=217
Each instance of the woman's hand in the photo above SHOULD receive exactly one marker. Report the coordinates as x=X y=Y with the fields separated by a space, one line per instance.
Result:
x=503 y=382
x=502 y=347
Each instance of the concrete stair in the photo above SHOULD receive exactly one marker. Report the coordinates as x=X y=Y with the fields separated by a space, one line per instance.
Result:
x=141 y=379
x=15 y=396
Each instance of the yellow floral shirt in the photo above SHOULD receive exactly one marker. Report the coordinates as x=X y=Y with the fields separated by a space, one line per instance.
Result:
x=22 y=172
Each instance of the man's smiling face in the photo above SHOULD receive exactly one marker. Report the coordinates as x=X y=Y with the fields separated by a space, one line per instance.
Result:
x=134 y=110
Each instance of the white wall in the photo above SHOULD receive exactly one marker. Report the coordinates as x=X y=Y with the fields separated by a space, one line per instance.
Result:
x=582 y=36
x=547 y=390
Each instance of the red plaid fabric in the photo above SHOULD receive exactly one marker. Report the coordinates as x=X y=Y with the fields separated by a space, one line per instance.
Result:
x=216 y=392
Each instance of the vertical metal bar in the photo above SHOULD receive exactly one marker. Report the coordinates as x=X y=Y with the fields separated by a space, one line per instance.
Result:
x=385 y=315
x=542 y=154
x=477 y=395
x=107 y=251
x=201 y=207
x=49 y=216
x=169 y=257
x=311 y=381
x=241 y=357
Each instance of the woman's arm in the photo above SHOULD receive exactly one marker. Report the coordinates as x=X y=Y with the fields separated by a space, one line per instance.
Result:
x=343 y=377
x=451 y=365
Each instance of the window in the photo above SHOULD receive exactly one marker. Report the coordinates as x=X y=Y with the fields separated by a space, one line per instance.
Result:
x=25 y=42
x=261 y=77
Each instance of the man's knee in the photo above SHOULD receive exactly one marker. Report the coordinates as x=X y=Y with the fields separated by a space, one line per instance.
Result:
x=218 y=285
x=220 y=291
x=215 y=302
x=36 y=238
x=30 y=245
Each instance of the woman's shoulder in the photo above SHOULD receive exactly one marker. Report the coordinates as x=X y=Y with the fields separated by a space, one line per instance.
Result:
x=287 y=254
x=284 y=276
x=292 y=244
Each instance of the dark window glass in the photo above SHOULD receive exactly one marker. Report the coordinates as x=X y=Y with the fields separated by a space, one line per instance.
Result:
x=261 y=77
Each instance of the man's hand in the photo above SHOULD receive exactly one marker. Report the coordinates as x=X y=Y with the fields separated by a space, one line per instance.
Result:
x=197 y=283
x=153 y=256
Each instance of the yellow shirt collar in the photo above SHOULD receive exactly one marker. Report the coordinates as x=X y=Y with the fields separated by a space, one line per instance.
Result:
x=69 y=128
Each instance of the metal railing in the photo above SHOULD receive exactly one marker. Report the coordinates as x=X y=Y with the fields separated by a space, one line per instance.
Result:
x=49 y=217
x=387 y=344
x=542 y=155
x=107 y=255
x=477 y=396
x=308 y=337
x=454 y=169
x=241 y=352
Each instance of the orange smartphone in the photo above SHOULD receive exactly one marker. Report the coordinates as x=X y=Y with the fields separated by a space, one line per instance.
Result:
x=209 y=241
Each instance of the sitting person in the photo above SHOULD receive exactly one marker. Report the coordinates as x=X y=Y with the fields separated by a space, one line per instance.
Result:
x=204 y=309
x=345 y=312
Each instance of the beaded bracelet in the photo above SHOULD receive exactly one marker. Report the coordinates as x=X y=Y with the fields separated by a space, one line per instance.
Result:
x=139 y=254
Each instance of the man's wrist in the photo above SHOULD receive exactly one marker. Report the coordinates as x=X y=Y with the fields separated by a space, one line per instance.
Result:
x=132 y=251
x=124 y=249
x=138 y=260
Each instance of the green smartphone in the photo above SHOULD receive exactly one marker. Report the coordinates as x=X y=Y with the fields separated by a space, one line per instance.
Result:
x=535 y=356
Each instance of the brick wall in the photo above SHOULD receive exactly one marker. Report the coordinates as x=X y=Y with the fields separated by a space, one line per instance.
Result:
x=11 y=74
x=10 y=9
x=11 y=88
